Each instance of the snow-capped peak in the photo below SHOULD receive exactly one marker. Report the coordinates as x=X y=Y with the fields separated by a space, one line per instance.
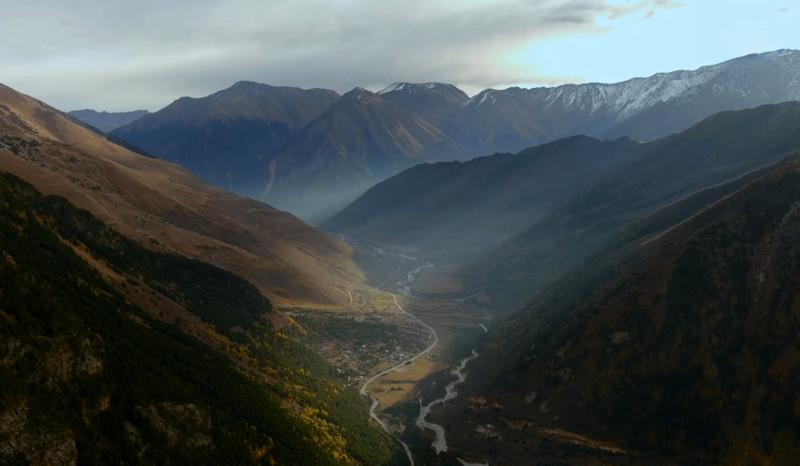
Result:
x=483 y=96
x=393 y=87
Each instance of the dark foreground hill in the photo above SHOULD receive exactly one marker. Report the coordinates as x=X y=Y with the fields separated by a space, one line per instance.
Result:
x=110 y=353
x=682 y=350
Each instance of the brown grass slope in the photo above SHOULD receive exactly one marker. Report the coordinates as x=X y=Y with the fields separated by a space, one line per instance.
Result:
x=165 y=207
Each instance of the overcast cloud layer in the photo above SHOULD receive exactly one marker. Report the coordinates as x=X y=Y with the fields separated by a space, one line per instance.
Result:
x=116 y=55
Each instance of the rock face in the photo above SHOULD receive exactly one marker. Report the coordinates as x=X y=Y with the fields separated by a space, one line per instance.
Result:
x=19 y=440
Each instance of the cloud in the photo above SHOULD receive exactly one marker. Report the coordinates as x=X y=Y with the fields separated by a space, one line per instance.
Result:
x=668 y=4
x=116 y=55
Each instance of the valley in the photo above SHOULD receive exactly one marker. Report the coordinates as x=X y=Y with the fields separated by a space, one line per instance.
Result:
x=398 y=349
x=581 y=274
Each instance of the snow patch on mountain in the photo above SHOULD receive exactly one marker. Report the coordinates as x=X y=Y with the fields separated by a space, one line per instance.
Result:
x=394 y=87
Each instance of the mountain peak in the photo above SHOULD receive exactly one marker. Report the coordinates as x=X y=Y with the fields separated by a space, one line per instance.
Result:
x=248 y=86
x=358 y=95
x=411 y=88
x=483 y=96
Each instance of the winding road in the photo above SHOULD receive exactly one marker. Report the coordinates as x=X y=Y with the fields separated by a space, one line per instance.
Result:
x=405 y=289
x=404 y=286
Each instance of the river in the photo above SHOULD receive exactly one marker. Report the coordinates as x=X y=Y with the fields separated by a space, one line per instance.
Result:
x=404 y=287
x=440 y=443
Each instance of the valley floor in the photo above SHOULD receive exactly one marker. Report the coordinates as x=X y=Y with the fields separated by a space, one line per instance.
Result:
x=413 y=341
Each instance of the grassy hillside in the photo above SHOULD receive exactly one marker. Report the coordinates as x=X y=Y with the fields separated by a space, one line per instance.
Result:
x=88 y=375
x=165 y=208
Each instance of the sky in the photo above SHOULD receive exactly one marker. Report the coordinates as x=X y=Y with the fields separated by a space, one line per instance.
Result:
x=122 y=55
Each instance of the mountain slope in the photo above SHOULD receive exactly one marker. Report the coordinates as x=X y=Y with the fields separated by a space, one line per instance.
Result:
x=641 y=108
x=360 y=140
x=222 y=136
x=435 y=102
x=516 y=222
x=721 y=148
x=110 y=353
x=106 y=121
x=452 y=211
x=685 y=350
x=166 y=208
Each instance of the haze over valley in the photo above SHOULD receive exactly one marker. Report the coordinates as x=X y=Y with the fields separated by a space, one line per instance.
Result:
x=462 y=236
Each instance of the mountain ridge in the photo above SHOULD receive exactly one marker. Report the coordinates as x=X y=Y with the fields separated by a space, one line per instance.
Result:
x=359 y=140
x=641 y=108
x=237 y=153
x=222 y=136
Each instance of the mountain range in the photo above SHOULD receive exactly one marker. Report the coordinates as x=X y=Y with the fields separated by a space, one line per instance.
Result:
x=517 y=222
x=222 y=137
x=278 y=157
x=107 y=121
x=640 y=108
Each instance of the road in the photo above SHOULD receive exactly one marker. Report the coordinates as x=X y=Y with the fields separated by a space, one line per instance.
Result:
x=404 y=286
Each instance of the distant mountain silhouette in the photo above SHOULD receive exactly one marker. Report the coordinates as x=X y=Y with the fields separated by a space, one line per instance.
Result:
x=107 y=121
x=221 y=137
x=357 y=142
x=259 y=140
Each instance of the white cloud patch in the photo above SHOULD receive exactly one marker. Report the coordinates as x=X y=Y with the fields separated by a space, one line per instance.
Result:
x=115 y=55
